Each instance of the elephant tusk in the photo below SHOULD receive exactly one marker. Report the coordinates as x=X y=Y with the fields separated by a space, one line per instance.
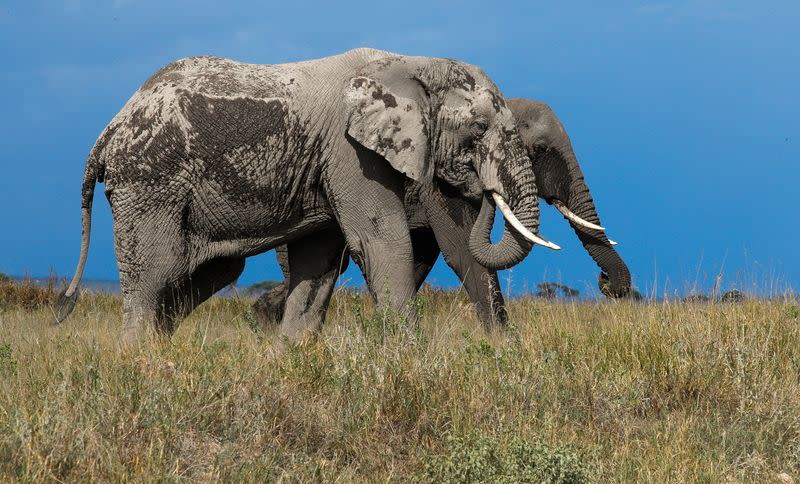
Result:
x=512 y=219
x=574 y=218
x=612 y=242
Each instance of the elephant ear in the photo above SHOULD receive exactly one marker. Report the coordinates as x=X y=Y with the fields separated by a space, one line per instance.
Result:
x=390 y=125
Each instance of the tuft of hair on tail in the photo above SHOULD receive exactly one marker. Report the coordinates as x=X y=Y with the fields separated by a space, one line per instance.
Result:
x=65 y=304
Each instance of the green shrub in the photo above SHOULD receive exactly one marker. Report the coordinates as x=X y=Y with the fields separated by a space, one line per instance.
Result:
x=8 y=364
x=478 y=459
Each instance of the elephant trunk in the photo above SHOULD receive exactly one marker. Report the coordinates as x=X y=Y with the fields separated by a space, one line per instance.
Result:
x=615 y=280
x=524 y=206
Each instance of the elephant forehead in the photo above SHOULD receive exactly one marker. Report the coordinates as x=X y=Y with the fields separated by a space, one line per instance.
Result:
x=456 y=98
x=439 y=74
x=542 y=131
x=485 y=102
x=494 y=99
x=462 y=78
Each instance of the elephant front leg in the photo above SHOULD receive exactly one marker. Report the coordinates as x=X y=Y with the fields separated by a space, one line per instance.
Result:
x=367 y=196
x=483 y=287
x=451 y=220
x=481 y=284
x=315 y=263
x=388 y=268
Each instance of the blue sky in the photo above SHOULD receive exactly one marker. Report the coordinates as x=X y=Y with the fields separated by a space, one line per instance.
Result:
x=685 y=116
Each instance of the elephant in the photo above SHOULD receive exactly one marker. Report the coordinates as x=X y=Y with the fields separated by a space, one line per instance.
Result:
x=560 y=182
x=213 y=160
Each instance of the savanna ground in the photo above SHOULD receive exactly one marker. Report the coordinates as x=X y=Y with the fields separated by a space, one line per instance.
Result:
x=571 y=392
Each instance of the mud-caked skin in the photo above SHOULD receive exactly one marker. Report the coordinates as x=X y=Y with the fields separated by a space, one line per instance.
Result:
x=441 y=219
x=214 y=160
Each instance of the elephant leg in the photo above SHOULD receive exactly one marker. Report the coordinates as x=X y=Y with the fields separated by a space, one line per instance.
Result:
x=482 y=286
x=269 y=308
x=426 y=251
x=204 y=281
x=282 y=255
x=315 y=265
x=368 y=204
x=152 y=260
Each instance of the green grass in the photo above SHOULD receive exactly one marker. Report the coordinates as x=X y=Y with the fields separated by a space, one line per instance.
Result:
x=572 y=392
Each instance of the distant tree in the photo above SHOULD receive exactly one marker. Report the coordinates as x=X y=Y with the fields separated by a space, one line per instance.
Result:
x=696 y=298
x=551 y=290
x=733 y=295
x=263 y=286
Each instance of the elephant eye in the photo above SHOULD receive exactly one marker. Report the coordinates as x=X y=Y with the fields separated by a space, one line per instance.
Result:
x=479 y=126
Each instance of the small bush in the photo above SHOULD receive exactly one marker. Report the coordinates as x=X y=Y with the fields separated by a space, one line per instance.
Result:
x=26 y=294
x=478 y=459
x=8 y=364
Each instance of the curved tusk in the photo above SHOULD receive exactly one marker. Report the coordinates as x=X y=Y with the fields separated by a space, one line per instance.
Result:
x=612 y=242
x=574 y=218
x=512 y=219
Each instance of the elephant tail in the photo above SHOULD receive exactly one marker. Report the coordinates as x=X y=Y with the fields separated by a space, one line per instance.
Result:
x=94 y=171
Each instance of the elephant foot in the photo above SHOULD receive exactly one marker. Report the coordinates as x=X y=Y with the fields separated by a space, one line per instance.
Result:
x=284 y=341
x=269 y=308
x=144 y=322
x=139 y=328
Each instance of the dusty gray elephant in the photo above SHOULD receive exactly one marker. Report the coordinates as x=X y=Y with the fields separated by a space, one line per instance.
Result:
x=445 y=225
x=213 y=160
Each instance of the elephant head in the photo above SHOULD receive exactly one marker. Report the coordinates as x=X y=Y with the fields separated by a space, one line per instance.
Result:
x=446 y=119
x=560 y=182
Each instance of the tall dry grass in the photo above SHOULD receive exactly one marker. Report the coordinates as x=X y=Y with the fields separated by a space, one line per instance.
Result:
x=26 y=294
x=572 y=392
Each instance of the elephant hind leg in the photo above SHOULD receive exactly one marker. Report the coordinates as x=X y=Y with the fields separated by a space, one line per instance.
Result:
x=181 y=299
x=315 y=263
x=270 y=307
x=153 y=261
x=145 y=295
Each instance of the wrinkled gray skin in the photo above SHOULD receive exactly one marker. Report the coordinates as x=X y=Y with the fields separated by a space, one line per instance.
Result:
x=558 y=177
x=213 y=160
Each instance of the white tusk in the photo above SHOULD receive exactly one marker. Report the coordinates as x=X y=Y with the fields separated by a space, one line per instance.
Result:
x=509 y=215
x=612 y=242
x=574 y=218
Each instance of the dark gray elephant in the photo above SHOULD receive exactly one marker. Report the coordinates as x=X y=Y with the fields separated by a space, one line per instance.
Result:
x=213 y=160
x=441 y=220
